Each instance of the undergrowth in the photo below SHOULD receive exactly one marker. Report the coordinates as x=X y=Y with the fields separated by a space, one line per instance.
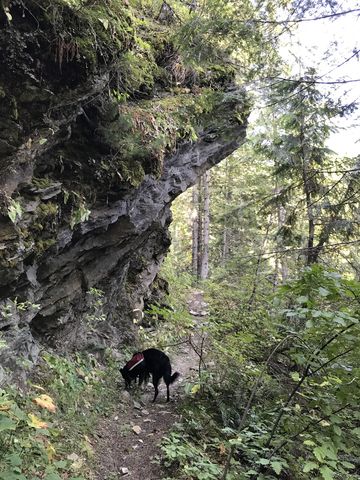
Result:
x=46 y=428
x=278 y=391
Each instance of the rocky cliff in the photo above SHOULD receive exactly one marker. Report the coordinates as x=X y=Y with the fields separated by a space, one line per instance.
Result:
x=102 y=125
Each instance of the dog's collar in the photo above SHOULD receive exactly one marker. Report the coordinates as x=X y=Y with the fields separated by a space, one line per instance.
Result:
x=135 y=361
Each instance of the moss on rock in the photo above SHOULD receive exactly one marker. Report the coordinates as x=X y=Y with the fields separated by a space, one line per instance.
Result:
x=142 y=133
x=107 y=83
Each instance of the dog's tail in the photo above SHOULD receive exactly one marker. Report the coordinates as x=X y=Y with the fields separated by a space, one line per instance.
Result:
x=174 y=376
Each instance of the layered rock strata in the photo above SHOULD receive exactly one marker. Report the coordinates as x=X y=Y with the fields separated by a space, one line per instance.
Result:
x=99 y=132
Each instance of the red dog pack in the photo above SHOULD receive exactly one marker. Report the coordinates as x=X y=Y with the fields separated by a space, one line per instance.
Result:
x=135 y=361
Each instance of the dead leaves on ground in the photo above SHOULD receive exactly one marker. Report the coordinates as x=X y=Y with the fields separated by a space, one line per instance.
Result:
x=44 y=401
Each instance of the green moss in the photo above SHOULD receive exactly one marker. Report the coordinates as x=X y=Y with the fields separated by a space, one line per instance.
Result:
x=93 y=32
x=153 y=128
x=126 y=40
x=111 y=28
x=40 y=232
x=48 y=209
x=37 y=227
x=110 y=33
x=141 y=134
x=42 y=245
x=138 y=72
x=42 y=182
x=215 y=76
x=125 y=37
x=87 y=50
x=131 y=172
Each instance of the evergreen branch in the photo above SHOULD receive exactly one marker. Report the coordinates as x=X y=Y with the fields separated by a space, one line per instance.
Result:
x=300 y=20
x=347 y=199
x=355 y=54
x=299 y=250
x=281 y=101
x=280 y=79
x=330 y=189
x=350 y=170
x=313 y=82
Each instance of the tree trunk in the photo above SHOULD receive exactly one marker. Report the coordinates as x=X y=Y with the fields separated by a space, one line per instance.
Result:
x=200 y=225
x=283 y=264
x=307 y=182
x=195 y=230
x=258 y=267
x=204 y=270
x=225 y=245
x=310 y=254
x=281 y=270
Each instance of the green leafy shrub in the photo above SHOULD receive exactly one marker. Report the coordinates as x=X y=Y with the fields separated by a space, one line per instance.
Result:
x=281 y=396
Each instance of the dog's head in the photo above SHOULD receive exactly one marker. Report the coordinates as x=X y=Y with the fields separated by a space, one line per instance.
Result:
x=126 y=376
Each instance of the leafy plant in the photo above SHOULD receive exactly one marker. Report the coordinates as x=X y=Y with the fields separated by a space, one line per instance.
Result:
x=80 y=214
x=14 y=210
x=95 y=314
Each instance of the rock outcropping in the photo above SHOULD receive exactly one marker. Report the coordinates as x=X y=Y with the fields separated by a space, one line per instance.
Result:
x=101 y=127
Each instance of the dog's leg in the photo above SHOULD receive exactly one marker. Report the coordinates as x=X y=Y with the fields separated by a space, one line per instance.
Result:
x=167 y=380
x=156 y=383
x=155 y=394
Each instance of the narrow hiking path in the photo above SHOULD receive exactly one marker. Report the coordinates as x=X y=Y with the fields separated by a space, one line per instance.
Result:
x=127 y=443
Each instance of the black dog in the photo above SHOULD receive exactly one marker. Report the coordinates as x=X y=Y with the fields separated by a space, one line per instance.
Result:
x=149 y=361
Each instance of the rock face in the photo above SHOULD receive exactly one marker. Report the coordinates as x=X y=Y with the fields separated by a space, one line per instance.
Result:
x=99 y=131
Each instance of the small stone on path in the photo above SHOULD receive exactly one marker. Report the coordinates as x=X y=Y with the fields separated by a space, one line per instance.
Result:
x=136 y=429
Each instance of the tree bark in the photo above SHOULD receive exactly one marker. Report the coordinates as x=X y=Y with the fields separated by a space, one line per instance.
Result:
x=308 y=196
x=200 y=225
x=258 y=267
x=225 y=246
x=283 y=264
x=204 y=269
x=281 y=269
x=195 y=230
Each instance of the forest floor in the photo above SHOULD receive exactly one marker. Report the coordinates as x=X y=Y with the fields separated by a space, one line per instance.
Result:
x=127 y=443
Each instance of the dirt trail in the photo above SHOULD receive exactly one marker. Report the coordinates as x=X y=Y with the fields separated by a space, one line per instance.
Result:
x=118 y=446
